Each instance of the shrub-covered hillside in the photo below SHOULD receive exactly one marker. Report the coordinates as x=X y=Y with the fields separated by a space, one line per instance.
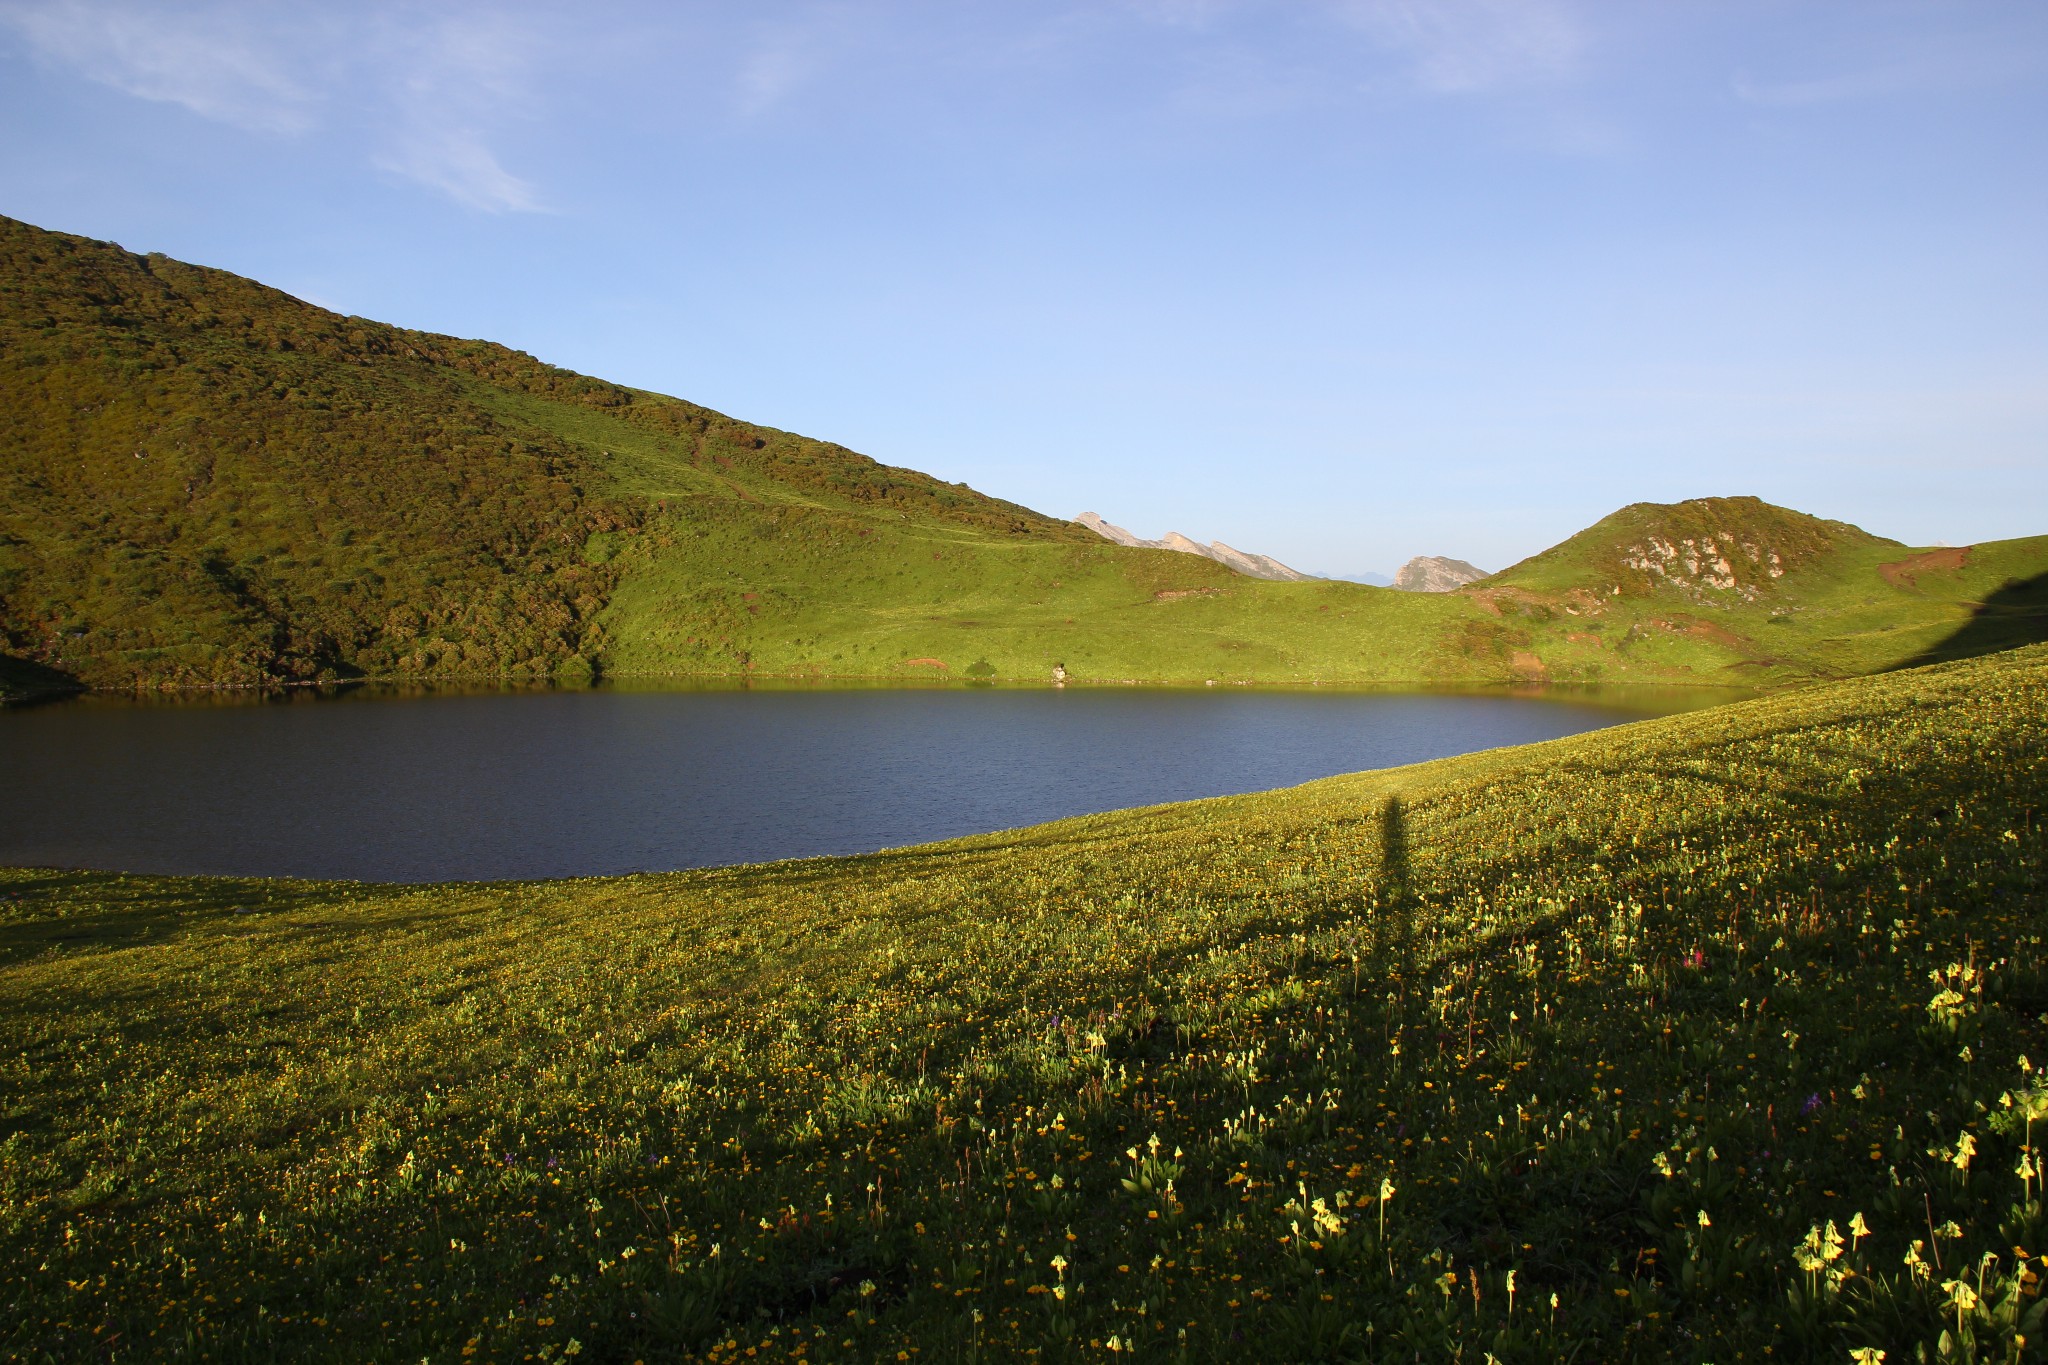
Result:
x=1716 y=1037
x=208 y=481
x=204 y=480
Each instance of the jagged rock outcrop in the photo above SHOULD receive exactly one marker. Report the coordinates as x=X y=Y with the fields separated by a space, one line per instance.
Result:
x=1434 y=573
x=1250 y=565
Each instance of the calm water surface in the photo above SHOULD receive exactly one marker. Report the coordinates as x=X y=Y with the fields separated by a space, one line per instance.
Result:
x=554 y=784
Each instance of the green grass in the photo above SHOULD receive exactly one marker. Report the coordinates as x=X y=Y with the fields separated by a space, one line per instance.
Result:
x=205 y=482
x=1845 y=603
x=1657 y=1021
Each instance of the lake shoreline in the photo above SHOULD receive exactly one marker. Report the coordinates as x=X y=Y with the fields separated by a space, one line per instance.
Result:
x=508 y=783
x=753 y=680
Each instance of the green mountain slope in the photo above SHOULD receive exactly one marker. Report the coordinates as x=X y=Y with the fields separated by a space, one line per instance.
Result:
x=1618 y=1048
x=1735 y=586
x=204 y=481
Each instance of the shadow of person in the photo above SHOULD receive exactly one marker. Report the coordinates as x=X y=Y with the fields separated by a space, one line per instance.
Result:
x=1397 y=896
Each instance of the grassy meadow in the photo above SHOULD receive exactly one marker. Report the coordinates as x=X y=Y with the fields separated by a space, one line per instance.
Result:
x=1711 y=1038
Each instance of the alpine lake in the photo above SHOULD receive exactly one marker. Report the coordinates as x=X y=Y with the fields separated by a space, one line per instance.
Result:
x=380 y=783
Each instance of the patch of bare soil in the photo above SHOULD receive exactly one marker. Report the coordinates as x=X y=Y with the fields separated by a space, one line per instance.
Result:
x=1905 y=573
x=1701 y=630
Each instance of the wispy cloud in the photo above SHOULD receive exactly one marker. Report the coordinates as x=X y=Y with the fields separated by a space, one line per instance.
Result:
x=806 y=49
x=457 y=78
x=774 y=71
x=424 y=90
x=1184 y=13
x=1984 y=48
x=219 y=64
x=456 y=162
x=1235 y=82
x=1458 y=47
x=1825 y=89
x=1925 y=73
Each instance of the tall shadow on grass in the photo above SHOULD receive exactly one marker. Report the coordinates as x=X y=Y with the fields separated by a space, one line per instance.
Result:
x=2015 y=615
x=1398 y=895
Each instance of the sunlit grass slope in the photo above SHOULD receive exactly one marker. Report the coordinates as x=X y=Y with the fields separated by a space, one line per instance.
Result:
x=1738 y=586
x=204 y=481
x=1706 y=1038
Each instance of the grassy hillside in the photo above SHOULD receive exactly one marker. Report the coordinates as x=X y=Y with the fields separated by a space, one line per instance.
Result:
x=802 y=593
x=1708 y=1038
x=204 y=481
x=1738 y=585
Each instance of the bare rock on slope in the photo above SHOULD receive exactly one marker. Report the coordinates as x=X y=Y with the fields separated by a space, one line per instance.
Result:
x=1255 y=566
x=1115 y=533
x=1250 y=565
x=1434 y=573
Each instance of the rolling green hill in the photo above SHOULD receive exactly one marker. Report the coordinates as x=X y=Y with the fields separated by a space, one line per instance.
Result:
x=1716 y=1037
x=204 y=481
x=1738 y=585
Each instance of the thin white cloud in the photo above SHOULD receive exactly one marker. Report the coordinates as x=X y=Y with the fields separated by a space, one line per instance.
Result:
x=425 y=90
x=1195 y=14
x=1233 y=83
x=456 y=77
x=774 y=72
x=805 y=46
x=1893 y=79
x=1824 y=89
x=217 y=64
x=456 y=162
x=1461 y=47
x=1984 y=49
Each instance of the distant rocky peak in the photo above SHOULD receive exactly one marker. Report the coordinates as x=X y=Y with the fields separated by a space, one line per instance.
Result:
x=1434 y=573
x=1115 y=533
x=1250 y=565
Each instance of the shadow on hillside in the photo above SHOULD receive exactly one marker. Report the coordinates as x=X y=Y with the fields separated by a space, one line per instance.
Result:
x=2015 y=615
x=23 y=680
x=43 y=908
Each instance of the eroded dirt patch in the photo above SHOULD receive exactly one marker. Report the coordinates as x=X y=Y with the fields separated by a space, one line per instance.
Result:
x=1905 y=573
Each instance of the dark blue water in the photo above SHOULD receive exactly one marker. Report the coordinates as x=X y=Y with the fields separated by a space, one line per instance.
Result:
x=555 y=784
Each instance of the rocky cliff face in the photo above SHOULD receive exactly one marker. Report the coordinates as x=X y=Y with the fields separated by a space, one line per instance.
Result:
x=1434 y=573
x=1250 y=565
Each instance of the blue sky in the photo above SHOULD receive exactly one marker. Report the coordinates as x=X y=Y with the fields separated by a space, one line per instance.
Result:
x=1340 y=281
